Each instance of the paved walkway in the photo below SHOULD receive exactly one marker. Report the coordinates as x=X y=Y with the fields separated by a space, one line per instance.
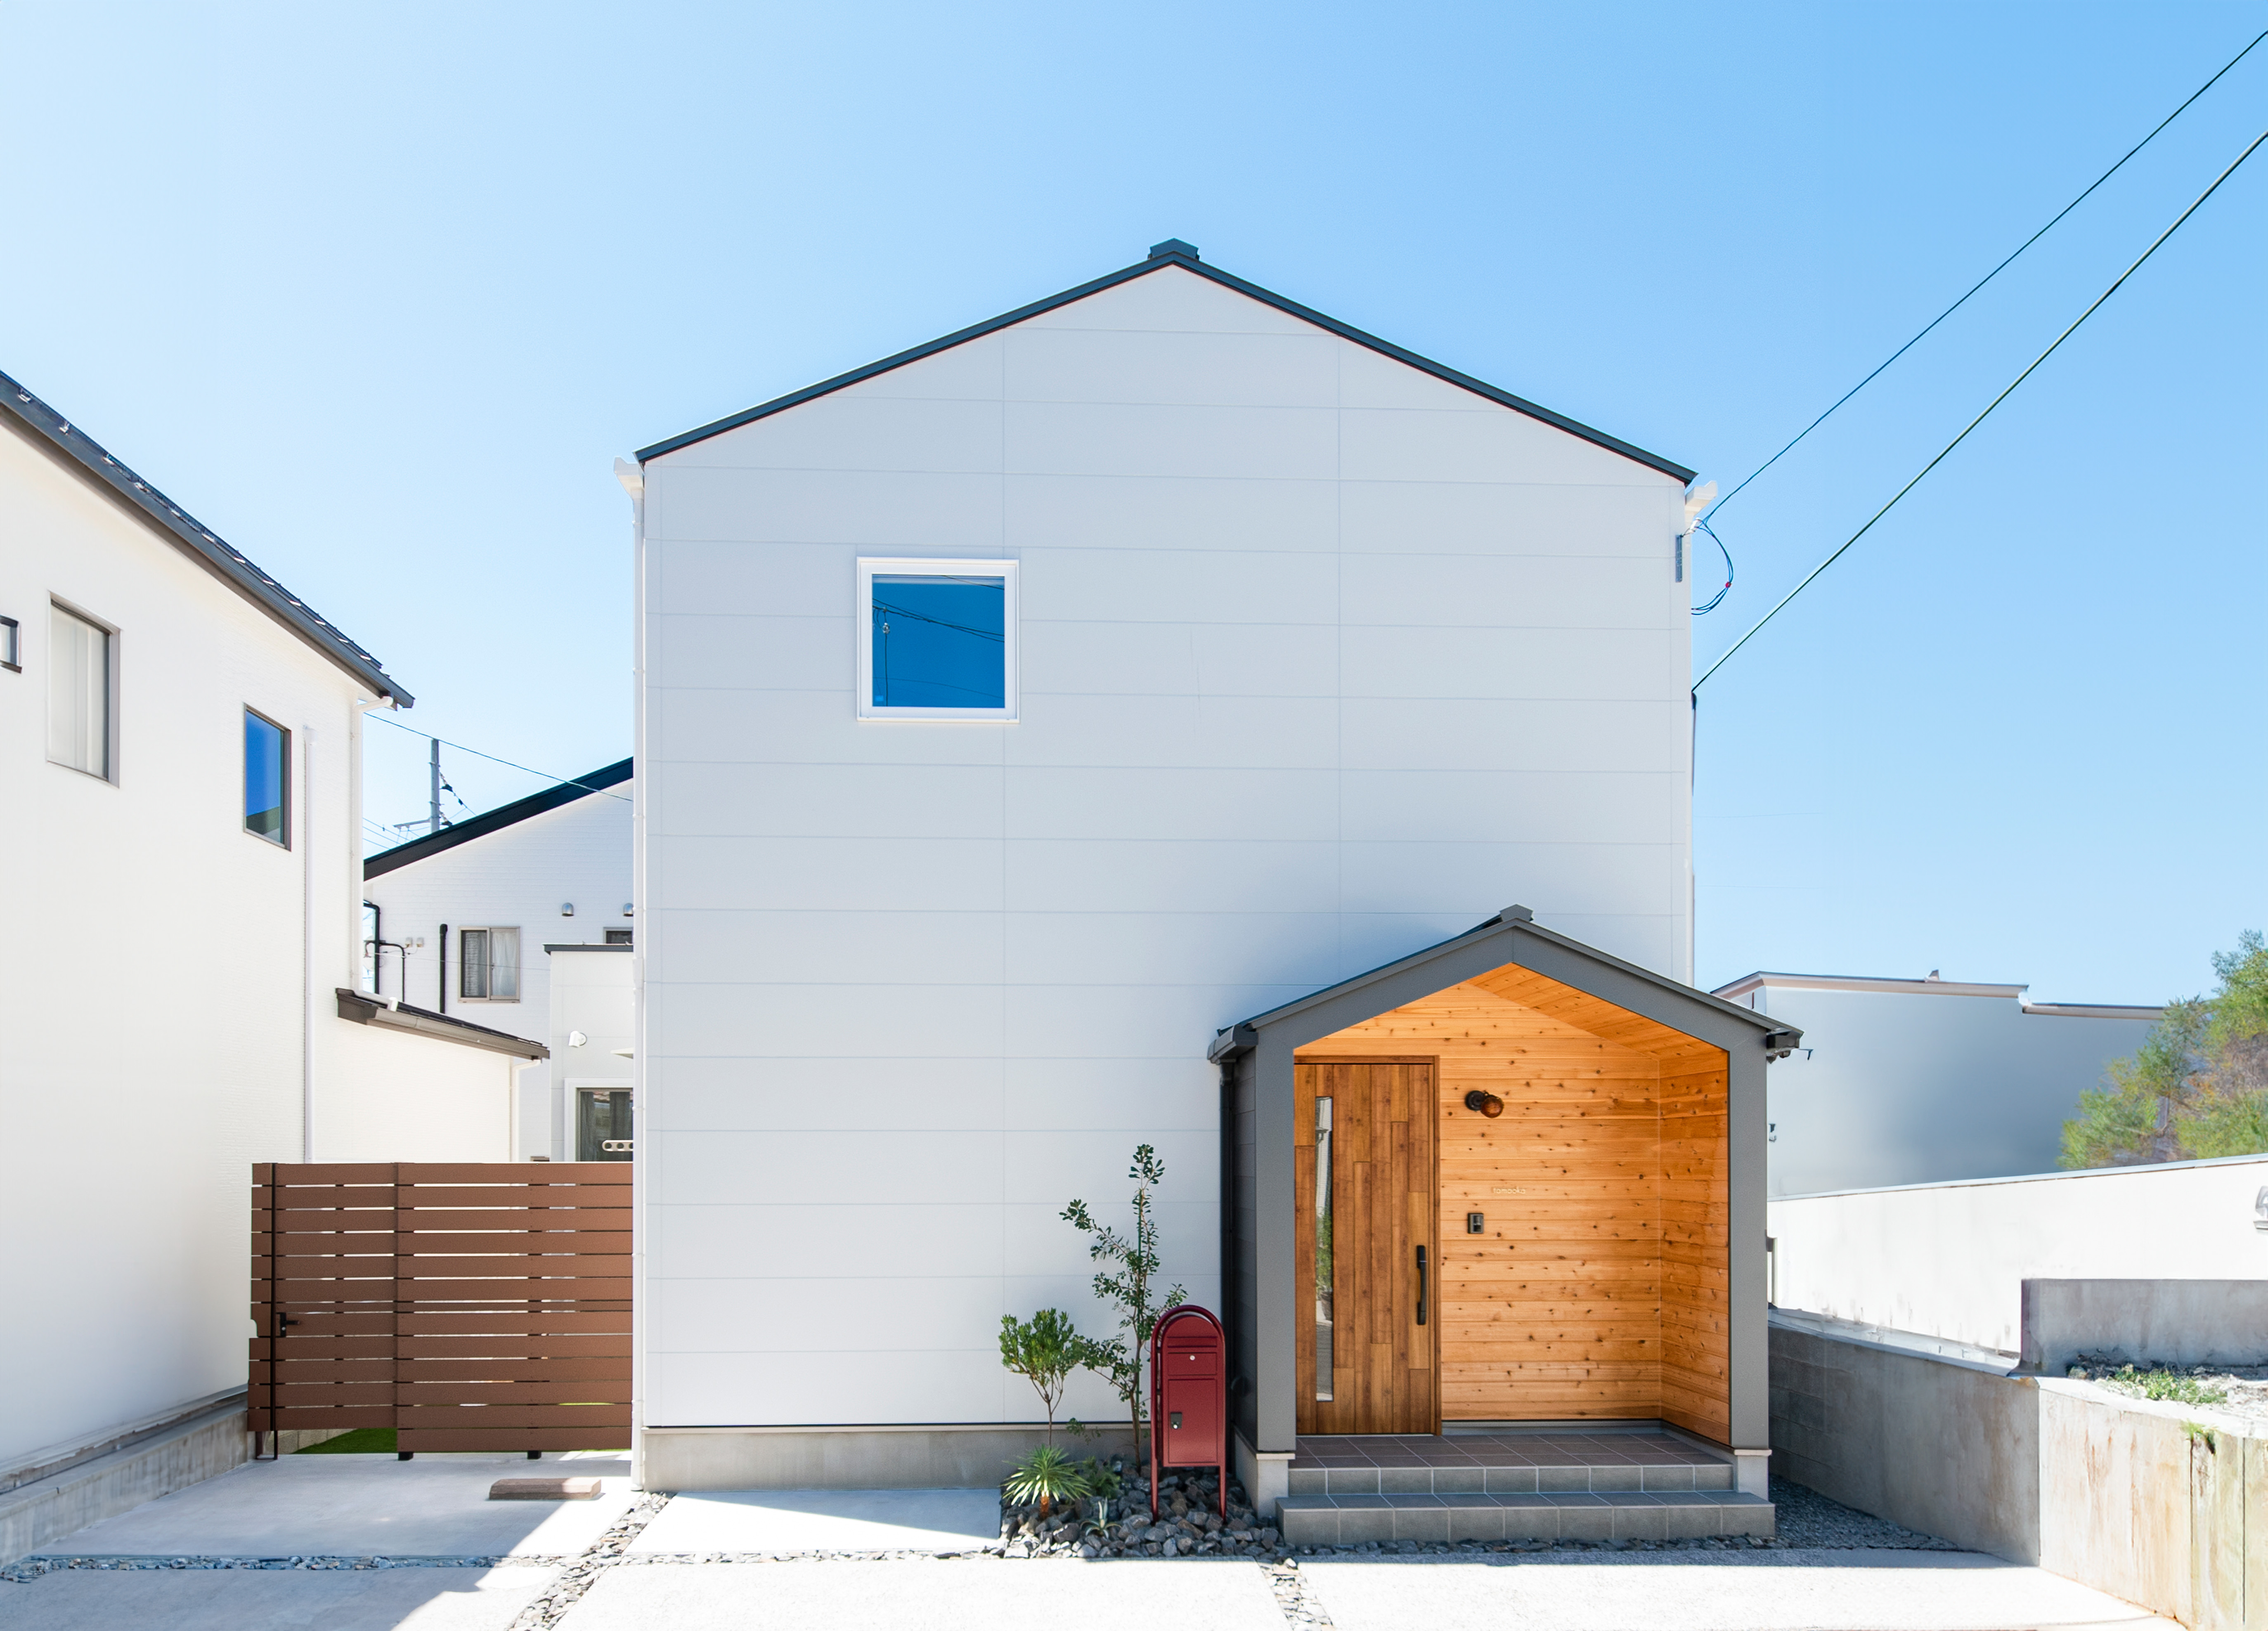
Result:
x=566 y=1572
x=1732 y=1591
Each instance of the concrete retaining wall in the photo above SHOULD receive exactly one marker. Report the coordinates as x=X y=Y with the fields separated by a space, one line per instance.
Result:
x=2162 y=1505
x=2183 y=1322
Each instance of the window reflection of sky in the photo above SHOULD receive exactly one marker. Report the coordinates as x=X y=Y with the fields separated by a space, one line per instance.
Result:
x=939 y=641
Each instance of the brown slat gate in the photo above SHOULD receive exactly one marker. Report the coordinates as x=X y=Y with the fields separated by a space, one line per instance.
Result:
x=469 y=1305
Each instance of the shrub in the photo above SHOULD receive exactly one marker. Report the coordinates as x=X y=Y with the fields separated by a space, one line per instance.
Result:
x=1046 y=1476
x=1044 y=1351
x=1127 y=1286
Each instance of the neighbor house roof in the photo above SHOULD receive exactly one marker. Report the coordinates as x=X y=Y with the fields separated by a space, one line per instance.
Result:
x=73 y=447
x=1932 y=986
x=1456 y=958
x=497 y=820
x=1174 y=253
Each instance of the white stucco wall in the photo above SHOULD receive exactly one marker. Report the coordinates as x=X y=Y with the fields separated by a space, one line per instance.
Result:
x=593 y=996
x=1323 y=660
x=1949 y=1259
x=395 y=1096
x=517 y=876
x=1900 y=1087
x=167 y=978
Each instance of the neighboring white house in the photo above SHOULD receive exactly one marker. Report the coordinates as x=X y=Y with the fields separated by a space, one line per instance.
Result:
x=466 y=921
x=1017 y=712
x=182 y=739
x=1927 y=1081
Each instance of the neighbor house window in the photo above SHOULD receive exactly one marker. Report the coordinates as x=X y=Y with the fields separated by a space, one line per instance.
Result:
x=266 y=779
x=488 y=964
x=78 y=693
x=936 y=639
x=11 y=647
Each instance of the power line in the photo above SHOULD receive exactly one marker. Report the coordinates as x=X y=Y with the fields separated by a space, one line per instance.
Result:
x=492 y=759
x=1981 y=282
x=1989 y=407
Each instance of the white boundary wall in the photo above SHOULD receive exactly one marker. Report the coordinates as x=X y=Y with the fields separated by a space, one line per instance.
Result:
x=1950 y=1259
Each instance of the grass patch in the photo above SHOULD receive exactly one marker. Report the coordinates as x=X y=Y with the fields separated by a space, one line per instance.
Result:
x=2166 y=1386
x=361 y=1441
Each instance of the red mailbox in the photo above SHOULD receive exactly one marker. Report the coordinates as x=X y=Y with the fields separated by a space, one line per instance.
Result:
x=1189 y=1397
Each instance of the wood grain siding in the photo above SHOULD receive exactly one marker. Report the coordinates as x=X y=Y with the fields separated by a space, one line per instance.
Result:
x=1597 y=1288
x=1695 y=1246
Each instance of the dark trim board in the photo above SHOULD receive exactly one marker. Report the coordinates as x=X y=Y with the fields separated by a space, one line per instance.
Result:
x=73 y=448
x=1172 y=253
x=496 y=820
x=365 y=1010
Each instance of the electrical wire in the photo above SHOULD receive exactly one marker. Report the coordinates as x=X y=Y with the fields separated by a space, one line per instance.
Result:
x=492 y=759
x=1981 y=282
x=1723 y=589
x=1989 y=407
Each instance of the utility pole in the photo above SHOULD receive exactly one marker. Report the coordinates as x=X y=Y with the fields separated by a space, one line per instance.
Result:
x=434 y=824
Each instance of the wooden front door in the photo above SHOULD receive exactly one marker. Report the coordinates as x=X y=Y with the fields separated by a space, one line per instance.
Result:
x=1365 y=1258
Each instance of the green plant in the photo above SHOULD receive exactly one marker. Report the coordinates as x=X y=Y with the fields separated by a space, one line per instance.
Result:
x=1046 y=1476
x=2197 y=1088
x=1325 y=1276
x=1126 y=1285
x=2199 y=1433
x=1103 y=1482
x=1044 y=1350
x=2166 y=1386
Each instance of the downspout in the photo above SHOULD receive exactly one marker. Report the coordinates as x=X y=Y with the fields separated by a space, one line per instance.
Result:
x=633 y=480
x=441 y=974
x=306 y=836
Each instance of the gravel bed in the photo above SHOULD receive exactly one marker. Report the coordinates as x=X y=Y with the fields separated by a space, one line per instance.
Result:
x=2245 y=1387
x=1189 y=1525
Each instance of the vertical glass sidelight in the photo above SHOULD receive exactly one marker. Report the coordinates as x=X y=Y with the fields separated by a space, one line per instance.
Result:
x=1325 y=1276
x=266 y=779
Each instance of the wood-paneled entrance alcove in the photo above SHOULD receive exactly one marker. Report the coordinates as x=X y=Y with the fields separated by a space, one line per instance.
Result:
x=1596 y=1288
x=1617 y=1272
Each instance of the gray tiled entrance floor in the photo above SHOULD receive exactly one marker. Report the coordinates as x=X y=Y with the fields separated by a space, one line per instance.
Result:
x=1504 y=1463
x=1553 y=1485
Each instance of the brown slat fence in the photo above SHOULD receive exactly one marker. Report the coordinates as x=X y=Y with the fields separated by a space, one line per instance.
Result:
x=468 y=1305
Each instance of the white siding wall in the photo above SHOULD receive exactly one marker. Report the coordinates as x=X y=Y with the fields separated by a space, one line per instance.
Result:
x=162 y=969
x=1323 y=660
x=514 y=878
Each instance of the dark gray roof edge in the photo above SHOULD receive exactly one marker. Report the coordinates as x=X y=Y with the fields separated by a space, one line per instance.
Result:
x=365 y=1010
x=1510 y=921
x=65 y=441
x=1227 y=280
x=494 y=820
x=587 y=946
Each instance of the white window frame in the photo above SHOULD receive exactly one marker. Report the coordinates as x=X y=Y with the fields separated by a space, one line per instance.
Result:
x=869 y=568
x=111 y=643
x=520 y=968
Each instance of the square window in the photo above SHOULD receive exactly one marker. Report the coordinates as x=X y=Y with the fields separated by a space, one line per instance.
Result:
x=937 y=640
x=266 y=779
x=488 y=964
x=11 y=647
x=78 y=693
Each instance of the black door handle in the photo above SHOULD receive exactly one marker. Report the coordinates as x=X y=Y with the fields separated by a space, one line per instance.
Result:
x=1421 y=1285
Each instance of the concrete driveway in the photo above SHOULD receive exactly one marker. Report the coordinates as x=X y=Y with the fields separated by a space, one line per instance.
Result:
x=362 y=1506
x=1730 y=1592
x=169 y=1565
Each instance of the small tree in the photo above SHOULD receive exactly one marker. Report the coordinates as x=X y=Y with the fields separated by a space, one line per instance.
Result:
x=1044 y=1351
x=1126 y=1285
x=2198 y=1087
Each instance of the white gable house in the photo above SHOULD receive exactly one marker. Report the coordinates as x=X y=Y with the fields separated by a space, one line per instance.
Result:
x=1016 y=713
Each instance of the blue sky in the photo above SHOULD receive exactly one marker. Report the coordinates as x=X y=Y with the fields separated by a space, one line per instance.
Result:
x=381 y=293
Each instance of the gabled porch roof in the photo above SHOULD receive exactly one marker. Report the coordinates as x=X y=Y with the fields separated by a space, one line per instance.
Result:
x=1579 y=984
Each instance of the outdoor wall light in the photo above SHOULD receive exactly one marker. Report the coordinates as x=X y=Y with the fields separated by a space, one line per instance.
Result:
x=1487 y=1104
x=566 y=908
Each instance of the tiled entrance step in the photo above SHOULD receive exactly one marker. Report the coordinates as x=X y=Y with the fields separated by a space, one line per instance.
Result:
x=1514 y=1486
